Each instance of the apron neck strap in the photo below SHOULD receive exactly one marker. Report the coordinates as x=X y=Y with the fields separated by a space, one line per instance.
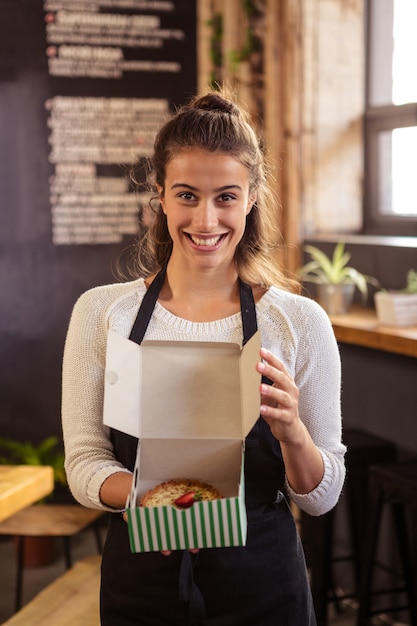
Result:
x=247 y=305
x=147 y=306
x=248 y=311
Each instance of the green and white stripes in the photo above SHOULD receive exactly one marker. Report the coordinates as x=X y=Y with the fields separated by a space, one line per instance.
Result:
x=207 y=524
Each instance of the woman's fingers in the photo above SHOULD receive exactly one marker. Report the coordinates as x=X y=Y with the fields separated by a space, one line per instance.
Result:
x=168 y=552
x=272 y=367
x=279 y=401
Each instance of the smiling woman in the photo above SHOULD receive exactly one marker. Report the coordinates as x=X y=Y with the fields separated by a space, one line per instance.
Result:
x=208 y=274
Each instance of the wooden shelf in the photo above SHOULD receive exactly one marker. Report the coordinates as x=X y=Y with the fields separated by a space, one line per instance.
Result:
x=361 y=327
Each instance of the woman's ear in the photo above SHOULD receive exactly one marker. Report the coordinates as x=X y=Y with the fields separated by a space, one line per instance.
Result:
x=251 y=202
x=160 y=191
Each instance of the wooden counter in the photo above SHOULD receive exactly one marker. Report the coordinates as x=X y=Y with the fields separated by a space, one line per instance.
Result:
x=22 y=485
x=360 y=327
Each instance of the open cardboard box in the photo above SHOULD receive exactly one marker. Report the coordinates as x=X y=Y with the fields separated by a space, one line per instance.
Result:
x=191 y=405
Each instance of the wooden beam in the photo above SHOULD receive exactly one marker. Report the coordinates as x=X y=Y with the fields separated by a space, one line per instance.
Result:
x=291 y=35
x=204 y=32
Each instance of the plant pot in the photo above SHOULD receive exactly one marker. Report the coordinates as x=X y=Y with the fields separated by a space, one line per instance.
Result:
x=37 y=551
x=395 y=308
x=335 y=299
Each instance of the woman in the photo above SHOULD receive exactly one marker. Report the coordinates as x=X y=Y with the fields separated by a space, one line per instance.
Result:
x=208 y=245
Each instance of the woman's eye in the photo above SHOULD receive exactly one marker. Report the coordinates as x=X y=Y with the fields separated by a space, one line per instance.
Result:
x=186 y=195
x=227 y=197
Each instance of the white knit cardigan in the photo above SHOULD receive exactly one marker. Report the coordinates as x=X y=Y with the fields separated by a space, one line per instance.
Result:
x=293 y=327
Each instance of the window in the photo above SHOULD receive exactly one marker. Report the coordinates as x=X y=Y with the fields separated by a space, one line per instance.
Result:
x=391 y=118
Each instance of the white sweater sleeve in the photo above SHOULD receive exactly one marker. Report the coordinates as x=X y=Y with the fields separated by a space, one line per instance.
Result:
x=318 y=377
x=89 y=458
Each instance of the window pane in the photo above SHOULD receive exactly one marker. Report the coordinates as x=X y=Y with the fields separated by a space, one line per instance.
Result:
x=393 y=51
x=397 y=168
x=405 y=52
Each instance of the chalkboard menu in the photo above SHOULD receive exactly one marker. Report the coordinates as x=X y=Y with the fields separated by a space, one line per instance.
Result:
x=83 y=86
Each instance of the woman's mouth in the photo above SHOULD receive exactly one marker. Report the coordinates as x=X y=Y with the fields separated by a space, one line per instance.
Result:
x=205 y=241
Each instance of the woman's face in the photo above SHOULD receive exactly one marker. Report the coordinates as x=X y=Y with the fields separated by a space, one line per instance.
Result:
x=206 y=201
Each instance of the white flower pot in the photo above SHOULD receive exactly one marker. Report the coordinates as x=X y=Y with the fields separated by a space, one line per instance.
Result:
x=396 y=308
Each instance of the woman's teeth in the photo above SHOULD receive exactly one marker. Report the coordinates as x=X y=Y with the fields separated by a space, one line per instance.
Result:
x=205 y=242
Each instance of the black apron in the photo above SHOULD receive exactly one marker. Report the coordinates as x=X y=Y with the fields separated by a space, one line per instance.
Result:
x=261 y=584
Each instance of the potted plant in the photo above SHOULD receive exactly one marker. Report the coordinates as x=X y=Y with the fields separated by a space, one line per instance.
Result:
x=335 y=280
x=398 y=307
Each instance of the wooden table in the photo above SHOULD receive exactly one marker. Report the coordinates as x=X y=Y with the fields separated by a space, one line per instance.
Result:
x=22 y=485
x=360 y=327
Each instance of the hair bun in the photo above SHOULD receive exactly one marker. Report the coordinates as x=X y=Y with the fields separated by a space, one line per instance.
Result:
x=215 y=102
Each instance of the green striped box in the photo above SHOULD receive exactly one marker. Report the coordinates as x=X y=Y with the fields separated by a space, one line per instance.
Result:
x=207 y=524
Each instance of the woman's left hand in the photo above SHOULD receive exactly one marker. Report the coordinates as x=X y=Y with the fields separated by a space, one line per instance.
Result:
x=279 y=407
x=279 y=401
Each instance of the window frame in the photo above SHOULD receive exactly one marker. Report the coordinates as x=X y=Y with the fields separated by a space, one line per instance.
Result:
x=377 y=119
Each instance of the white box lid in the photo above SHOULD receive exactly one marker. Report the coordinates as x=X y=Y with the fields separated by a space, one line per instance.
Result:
x=157 y=390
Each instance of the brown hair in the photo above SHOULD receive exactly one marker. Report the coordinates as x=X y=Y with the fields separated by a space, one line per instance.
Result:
x=216 y=123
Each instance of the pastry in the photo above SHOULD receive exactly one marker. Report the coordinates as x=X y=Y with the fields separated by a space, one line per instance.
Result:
x=179 y=492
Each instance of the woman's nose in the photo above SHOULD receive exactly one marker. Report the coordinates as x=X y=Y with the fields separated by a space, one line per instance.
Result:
x=205 y=217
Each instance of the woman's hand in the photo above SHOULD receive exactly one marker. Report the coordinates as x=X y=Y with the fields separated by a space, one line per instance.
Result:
x=279 y=401
x=279 y=408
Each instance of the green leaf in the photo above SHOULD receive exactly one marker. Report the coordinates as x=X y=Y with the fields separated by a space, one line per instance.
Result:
x=334 y=269
x=411 y=282
x=47 y=452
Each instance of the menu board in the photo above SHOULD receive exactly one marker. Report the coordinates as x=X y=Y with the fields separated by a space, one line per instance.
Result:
x=84 y=84
x=140 y=49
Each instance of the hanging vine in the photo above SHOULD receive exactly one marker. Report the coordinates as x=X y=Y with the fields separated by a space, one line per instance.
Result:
x=251 y=53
